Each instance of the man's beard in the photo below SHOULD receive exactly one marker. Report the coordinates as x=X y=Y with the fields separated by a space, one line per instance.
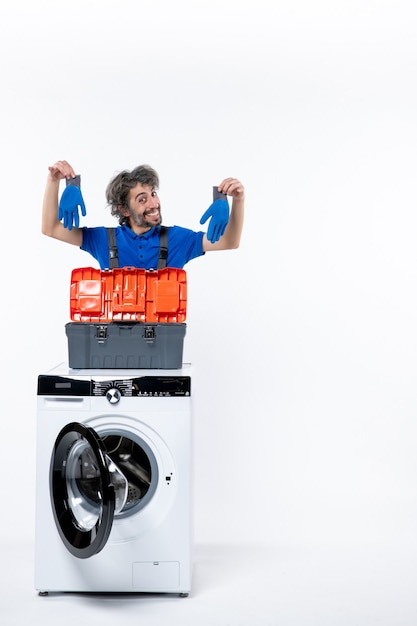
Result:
x=142 y=222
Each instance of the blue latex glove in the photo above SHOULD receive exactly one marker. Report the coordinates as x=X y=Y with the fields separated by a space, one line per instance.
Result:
x=219 y=214
x=70 y=203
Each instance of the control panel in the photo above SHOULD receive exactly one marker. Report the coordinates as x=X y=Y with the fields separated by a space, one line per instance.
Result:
x=138 y=386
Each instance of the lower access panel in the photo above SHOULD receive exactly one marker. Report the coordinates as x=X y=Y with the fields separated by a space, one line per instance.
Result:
x=152 y=575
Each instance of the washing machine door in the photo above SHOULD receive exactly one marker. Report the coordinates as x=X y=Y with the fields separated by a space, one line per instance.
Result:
x=82 y=491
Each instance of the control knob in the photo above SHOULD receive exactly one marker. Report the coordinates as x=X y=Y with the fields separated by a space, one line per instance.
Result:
x=113 y=395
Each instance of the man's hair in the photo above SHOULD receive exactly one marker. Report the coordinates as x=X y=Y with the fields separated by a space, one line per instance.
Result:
x=118 y=188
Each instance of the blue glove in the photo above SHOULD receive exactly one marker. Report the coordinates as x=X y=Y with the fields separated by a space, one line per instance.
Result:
x=219 y=214
x=71 y=201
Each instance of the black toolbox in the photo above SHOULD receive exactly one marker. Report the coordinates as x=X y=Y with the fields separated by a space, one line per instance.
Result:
x=121 y=345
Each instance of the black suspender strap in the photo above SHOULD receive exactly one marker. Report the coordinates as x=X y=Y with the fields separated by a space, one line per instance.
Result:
x=114 y=255
x=113 y=252
x=163 y=248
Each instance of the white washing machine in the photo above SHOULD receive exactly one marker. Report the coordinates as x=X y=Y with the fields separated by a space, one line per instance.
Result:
x=113 y=483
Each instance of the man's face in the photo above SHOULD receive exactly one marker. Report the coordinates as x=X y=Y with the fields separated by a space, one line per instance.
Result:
x=144 y=206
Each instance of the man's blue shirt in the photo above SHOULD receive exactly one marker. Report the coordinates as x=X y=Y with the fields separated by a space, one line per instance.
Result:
x=142 y=251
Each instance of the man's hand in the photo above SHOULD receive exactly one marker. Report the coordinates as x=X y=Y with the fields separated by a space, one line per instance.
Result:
x=60 y=170
x=232 y=187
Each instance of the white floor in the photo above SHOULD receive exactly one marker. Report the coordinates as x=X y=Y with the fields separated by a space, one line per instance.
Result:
x=238 y=586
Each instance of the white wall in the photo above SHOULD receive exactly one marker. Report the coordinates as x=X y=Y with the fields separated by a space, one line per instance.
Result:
x=304 y=340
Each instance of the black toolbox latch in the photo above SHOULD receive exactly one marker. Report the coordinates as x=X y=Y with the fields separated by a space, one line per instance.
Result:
x=101 y=334
x=149 y=333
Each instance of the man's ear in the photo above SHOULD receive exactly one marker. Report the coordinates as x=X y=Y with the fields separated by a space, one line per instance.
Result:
x=124 y=210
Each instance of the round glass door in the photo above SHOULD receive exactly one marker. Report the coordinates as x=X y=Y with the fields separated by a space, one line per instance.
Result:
x=87 y=489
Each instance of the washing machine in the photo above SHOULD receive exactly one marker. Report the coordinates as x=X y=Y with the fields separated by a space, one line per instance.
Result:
x=113 y=481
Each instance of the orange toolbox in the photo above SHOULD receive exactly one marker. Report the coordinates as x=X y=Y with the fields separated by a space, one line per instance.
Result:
x=128 y=294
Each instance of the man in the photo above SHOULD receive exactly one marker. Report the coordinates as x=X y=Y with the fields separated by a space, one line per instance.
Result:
x=134 y=200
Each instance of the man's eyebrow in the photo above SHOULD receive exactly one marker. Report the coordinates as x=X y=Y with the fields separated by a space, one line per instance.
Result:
x=141 y=193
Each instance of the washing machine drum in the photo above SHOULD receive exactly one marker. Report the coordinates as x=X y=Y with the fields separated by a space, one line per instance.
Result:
x=87 y=489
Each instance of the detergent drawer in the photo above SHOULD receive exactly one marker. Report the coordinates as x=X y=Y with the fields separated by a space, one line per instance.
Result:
x=125 y=345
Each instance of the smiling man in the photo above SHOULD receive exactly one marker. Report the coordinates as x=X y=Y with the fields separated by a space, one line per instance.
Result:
x=133 y=199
